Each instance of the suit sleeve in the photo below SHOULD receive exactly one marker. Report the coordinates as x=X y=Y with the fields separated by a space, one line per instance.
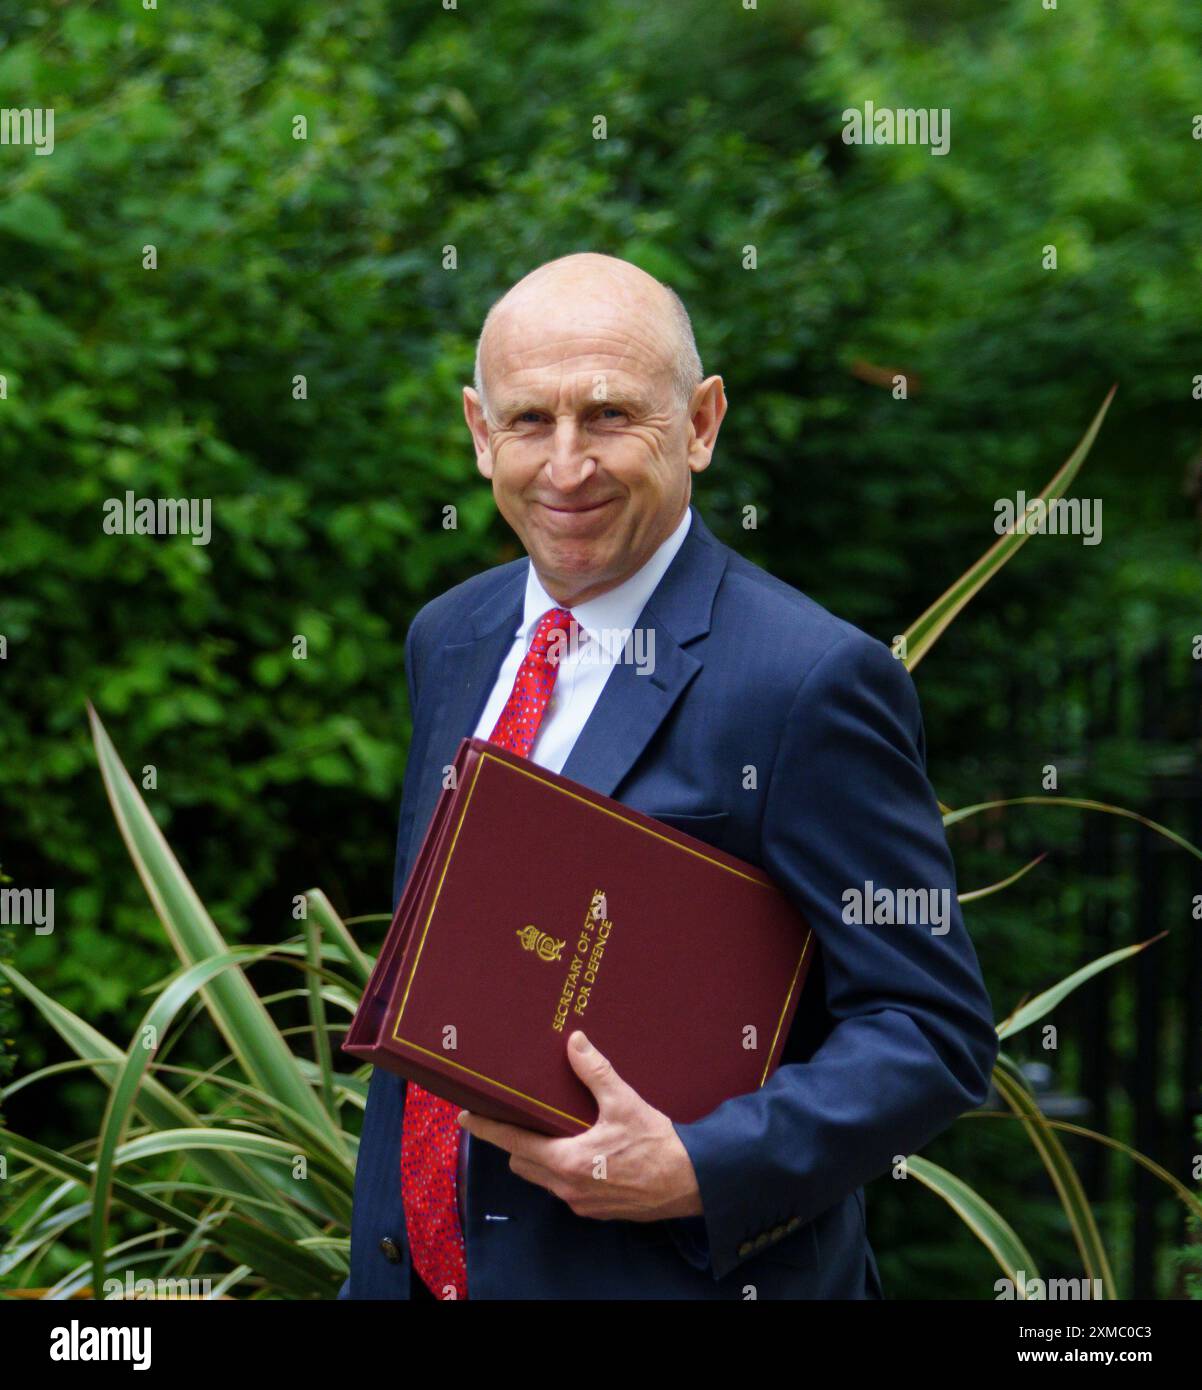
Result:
x=912 y=1044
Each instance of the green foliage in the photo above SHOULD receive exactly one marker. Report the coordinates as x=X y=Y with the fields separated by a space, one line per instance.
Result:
x=261 y=1194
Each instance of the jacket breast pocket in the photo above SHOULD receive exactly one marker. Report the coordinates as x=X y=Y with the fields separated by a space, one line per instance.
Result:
x=708 y=827
x=704 y=826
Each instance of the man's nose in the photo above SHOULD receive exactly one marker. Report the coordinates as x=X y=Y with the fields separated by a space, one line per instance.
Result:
x=569 y=463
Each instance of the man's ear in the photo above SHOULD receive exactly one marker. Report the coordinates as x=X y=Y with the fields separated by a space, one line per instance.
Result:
x=707 y=409
x=473 y=413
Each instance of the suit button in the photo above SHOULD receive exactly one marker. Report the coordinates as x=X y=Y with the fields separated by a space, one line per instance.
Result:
x=762 y=1240
x=745 y=1249
x=777 y=1232
x=390 y=1250
x=793 y=1224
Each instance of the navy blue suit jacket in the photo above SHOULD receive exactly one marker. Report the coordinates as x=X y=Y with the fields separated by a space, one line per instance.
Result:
x=749 y=674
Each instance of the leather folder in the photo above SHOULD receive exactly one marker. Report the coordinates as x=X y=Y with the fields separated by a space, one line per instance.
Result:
x=536 y=906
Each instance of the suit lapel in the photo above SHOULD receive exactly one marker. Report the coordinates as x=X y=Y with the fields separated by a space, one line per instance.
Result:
x=633 y=705
x=463 y=676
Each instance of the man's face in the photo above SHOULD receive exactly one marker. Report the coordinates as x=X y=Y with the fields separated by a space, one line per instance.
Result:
x=589 y=453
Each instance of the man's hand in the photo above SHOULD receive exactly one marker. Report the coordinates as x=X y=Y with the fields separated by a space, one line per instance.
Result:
x=631 y=1166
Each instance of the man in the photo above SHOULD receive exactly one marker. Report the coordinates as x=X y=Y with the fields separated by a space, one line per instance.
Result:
x=761 y=724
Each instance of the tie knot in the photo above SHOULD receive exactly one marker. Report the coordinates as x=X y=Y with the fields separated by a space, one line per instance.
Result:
x=555 y=631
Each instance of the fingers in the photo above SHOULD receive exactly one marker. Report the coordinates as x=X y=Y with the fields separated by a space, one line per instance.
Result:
x=553 y=1164
x=524 y=1143
x=536 y=1173
x=597 y=1073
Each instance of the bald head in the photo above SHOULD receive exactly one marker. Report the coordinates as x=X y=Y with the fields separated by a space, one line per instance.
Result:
x=576 y=287
x=595 y=420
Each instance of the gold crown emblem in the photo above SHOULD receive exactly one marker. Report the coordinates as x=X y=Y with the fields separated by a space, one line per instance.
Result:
x=544 y=946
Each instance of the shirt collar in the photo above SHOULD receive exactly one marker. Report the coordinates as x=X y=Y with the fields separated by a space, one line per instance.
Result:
x=608 y=618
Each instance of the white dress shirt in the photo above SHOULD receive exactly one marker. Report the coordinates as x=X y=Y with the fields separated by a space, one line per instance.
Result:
x=605 y=623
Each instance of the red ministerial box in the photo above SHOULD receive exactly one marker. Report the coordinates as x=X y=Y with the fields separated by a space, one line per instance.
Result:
x=536 y=906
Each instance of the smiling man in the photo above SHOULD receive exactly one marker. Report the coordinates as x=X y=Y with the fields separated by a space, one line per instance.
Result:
x=593 y=421
x=762 y=724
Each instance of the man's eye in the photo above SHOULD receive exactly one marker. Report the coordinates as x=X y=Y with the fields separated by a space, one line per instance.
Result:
x=528 y=417
x=612 y=412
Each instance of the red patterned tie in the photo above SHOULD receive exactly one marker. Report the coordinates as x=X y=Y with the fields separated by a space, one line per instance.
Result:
x=430 y=1132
